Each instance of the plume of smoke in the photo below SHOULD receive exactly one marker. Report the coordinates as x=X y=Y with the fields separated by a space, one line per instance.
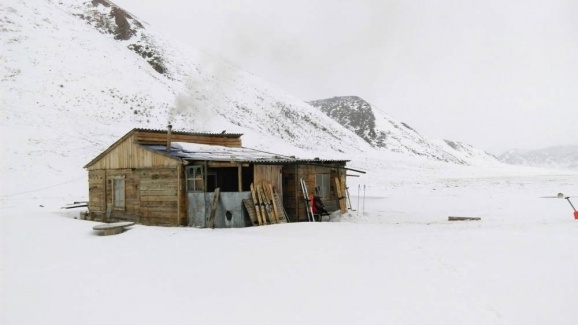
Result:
x=205 y=95
x=192 y=106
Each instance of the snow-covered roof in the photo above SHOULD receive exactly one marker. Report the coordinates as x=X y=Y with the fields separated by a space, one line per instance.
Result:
x=195 y=151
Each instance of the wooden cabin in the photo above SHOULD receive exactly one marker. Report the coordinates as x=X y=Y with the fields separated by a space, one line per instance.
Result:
x=163 y=177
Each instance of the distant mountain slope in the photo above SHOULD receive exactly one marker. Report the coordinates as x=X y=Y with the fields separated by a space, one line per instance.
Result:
x=565 y=157
x=383 y=132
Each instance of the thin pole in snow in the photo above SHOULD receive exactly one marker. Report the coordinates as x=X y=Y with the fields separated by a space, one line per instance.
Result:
x=358 y=195
x=572 y=205
x=363 y=214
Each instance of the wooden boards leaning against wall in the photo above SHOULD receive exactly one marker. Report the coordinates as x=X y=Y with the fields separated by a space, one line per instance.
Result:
x=265 y=208
x=341 y=198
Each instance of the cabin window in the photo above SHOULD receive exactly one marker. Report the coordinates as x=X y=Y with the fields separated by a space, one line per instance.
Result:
x=195 y=179
x=118 y=199
x=322 y=185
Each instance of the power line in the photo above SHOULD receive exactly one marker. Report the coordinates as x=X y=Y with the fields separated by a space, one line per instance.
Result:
x=40 y=189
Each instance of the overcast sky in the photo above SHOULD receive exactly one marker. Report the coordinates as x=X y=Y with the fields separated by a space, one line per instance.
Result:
x=495 y=74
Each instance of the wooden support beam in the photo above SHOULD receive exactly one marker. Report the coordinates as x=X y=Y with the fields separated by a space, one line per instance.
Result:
x=179 y=171
x=240 y=177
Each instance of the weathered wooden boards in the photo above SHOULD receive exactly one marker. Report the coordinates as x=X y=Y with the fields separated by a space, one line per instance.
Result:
x=151 y=196
x=463 y=218
x=282 y=213
x=126 y=153
x=250 y=206
x=227 y=140
x=258 y=211
x=265 y=205
x=340 y=187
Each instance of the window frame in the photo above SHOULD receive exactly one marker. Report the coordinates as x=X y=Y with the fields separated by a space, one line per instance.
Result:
x=323 y=187
x=117 y=192
x=195 y=178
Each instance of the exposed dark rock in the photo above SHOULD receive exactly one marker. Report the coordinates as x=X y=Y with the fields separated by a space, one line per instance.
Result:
x=452 y=144
x=150 y=55
x=407 y=126
x=124 y=27
x=355 y=114
x=101 y=2
x=123 y=30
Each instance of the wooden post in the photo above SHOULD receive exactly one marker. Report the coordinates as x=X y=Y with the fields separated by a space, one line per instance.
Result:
x=240 y=177
x=179 y=189
x=297 y=194
x=211 y=222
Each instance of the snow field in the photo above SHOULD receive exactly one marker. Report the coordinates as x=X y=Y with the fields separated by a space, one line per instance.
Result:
x=399 y=262
x=68 y=95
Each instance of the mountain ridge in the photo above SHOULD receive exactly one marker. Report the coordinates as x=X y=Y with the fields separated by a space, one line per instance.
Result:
x=383 y=132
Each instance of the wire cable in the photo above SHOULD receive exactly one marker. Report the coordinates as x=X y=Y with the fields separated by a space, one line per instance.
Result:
x=44 y=188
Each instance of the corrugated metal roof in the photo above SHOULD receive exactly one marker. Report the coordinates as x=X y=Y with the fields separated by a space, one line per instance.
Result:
x=195 y=151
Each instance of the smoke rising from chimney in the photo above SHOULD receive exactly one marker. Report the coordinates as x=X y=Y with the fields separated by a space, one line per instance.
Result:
x=204 y=94
x=193 y=105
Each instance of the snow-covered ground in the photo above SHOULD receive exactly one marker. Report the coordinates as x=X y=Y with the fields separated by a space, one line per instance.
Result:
x=396 y=260
x=68 y=92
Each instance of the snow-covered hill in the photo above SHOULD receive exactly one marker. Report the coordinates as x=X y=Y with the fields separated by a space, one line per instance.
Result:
x=94 y=57
x=565 y=157
x=383 y=132
x=76 y=75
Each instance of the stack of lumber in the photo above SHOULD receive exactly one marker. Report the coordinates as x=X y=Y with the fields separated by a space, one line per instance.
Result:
x=265 y=206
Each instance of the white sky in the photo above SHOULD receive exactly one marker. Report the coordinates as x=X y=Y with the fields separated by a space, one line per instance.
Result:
x=494 y=74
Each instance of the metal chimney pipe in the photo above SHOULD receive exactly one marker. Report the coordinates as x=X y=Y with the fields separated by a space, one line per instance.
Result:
x=169 y=132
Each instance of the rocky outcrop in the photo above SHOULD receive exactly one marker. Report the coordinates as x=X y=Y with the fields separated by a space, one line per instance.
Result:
x=109 y=18
x=383 y=132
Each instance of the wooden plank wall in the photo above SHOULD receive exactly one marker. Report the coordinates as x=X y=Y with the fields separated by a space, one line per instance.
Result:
x=270 y=173
x=152 y=196
x=160 y=200
x=295 y=202
x=182 y=196
x=131 y=195
x=127 y=154
x=290 y=193
x=96 y=194
x=161 y=138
